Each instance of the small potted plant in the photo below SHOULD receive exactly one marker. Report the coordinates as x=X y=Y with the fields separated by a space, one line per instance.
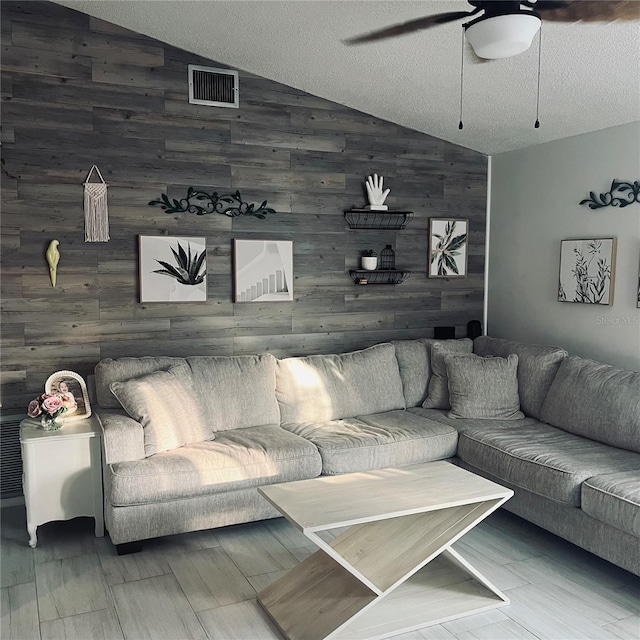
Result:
x=369 y=260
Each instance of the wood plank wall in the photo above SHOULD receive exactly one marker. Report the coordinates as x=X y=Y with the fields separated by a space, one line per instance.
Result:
x=78 y=91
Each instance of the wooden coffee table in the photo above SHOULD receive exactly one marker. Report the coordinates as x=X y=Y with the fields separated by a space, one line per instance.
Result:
x=393 y=570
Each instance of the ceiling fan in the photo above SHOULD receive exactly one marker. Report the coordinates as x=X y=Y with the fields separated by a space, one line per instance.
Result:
x=504 y=28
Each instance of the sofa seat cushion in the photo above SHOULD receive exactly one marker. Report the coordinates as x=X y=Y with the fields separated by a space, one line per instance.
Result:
x=330 y=387
x=390 y=439
x=542 y=459
x=464 y=424
x=236 y=459
x=615 y=499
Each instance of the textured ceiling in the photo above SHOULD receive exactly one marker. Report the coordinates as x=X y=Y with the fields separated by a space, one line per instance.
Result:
x=590 y=72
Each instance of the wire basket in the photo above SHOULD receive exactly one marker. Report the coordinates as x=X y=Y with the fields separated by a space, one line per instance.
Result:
x=367 y=219
x=361 y=276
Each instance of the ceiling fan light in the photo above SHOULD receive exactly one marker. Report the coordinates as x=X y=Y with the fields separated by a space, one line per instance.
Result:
x=502 y=36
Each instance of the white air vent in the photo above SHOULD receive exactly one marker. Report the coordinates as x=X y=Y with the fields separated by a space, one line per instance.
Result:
x=213 y=87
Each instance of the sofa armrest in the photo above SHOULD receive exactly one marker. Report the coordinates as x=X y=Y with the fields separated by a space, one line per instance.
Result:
x=122 y=437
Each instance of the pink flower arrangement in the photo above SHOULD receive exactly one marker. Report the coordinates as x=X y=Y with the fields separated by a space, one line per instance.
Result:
x=50 y=403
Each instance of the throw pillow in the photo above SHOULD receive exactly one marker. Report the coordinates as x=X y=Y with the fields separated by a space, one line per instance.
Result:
x=537 y=368
x=483 y=388
x=438 y=393
x=164 y=404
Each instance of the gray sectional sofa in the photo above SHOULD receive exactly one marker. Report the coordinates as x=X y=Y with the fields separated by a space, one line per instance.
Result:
x=199 y=435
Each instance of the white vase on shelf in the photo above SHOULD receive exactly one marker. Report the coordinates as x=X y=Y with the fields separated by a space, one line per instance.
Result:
x=369 y=263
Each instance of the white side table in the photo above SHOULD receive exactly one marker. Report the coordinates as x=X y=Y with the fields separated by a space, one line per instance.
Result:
x=62 y=475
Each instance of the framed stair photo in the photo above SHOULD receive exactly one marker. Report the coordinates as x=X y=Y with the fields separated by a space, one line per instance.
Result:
x=263 y=270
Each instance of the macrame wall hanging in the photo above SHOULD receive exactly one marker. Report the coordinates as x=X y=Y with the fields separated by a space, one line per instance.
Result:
x=96 y=214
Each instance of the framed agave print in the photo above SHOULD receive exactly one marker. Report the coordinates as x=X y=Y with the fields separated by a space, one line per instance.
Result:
x=587 y=271
x=263 y=270
x=448 y=240
x=173 y=269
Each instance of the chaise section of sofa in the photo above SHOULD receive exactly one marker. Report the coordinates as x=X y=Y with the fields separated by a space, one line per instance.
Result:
x=543 y=459
x=576 y=470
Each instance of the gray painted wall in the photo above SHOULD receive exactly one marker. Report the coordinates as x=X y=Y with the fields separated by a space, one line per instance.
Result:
x=534 y=205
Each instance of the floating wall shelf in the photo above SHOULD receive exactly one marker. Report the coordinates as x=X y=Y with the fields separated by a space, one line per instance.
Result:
x=380 y=276
x=367 y=219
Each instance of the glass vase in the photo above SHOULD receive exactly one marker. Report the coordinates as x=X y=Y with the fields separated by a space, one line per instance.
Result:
x=50 y=423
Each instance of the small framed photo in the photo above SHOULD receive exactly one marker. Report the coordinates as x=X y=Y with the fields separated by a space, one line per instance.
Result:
x=263 y=270
x=448 y=241
x=173 y=269
x=638 y=305
x=72 y=389
x=587 y=271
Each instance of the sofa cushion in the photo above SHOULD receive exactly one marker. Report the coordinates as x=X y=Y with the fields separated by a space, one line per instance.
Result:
x=390 y=439
x=615 y=499
x=163 y=403
x=236 y=391
x=414 y=358
x=542 y=459
x=463 y=424
x=108 y=371
x=236 y=459
x=483 y=388
x=438 y=394
x=597 y=401
x=537 y=367
x=330 y=387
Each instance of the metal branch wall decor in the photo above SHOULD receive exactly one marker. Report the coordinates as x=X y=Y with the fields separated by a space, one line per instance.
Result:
x=621 y=194
x=202 y=203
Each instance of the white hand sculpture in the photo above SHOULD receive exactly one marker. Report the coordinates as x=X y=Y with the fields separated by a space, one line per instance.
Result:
x=374 y=191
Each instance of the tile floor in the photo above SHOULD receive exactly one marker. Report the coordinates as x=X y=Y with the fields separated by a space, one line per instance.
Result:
x=203 y=585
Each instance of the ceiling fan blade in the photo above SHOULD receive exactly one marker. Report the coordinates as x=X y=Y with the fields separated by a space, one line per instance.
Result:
x=411 y=26
x=588 y=10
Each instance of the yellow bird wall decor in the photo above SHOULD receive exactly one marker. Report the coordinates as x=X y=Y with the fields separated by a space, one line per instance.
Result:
x=53 y=257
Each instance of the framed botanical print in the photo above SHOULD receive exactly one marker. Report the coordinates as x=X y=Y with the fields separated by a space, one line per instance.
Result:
x=448 y=241
x=587 y=271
